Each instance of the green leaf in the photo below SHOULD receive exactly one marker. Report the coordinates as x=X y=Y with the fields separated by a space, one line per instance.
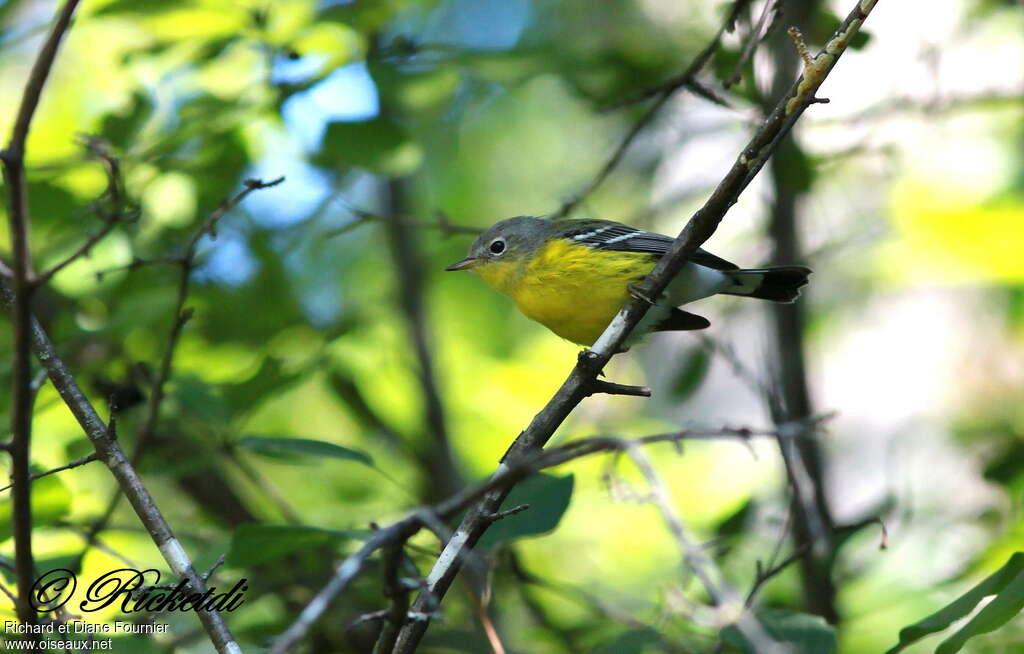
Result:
x=634 y=641
x=300 y=450
x=793 y=169
x=270 y=379
x=548 y=497
x=121 y=128
x=804 y=633
x=734 y=525
x=1003 y=578
x=255 y=544
x=694 y=370
x=197 y=398
x=51 y=501
x=379 y=145
x=140 y=7
x=1006 y=605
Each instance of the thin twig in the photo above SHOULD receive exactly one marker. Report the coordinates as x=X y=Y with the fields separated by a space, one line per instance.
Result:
x=682 y=79
x=612 y=388
x=661 y=93
x=757 y=34
x=88 y=458
x=116 y=214
x=765 y=575
x=186 y=262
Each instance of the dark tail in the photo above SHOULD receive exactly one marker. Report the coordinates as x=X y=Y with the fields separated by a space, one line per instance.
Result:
x=679 y=320
x=780 y=284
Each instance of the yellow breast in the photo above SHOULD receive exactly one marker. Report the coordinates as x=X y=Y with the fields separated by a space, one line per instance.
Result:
x=571 y=289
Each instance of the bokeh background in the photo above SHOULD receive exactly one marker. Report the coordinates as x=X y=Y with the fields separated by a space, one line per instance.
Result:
x=321 y=310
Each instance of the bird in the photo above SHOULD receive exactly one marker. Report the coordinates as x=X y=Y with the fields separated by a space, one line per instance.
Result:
x=573 y=275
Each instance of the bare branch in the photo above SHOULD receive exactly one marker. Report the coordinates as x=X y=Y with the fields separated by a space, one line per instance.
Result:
x=88 y=458
x=183 y=315
x=501 y=515
x=112 y=217
x=109 y=450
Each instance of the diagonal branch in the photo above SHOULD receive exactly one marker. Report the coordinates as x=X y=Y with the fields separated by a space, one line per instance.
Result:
x=104 y=439
x=699 y=228
x=109 y=450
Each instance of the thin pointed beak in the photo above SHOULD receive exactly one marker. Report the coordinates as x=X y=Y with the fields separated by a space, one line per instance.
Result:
x=465 y=264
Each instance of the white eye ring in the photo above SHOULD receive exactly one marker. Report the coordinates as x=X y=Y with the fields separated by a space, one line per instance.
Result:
x=497 y=246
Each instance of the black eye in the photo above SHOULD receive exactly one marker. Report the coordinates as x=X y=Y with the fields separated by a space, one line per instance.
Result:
x=497 y=246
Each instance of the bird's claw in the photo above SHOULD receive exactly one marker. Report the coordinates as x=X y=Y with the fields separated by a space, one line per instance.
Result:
x=634 y=291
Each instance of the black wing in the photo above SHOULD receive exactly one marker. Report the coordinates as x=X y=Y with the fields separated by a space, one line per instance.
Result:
x=608 y=235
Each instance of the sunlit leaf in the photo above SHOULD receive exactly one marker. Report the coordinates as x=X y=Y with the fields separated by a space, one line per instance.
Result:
x=51 y=501
x=335 y=43
x=140 y=6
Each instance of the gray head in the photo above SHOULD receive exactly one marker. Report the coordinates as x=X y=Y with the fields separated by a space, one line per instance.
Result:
x=508 y=239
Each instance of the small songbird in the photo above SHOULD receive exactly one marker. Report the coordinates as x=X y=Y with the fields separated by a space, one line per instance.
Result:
x=573 y=276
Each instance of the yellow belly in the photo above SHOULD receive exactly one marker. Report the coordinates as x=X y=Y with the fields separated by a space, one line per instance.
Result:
x=574 y=290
